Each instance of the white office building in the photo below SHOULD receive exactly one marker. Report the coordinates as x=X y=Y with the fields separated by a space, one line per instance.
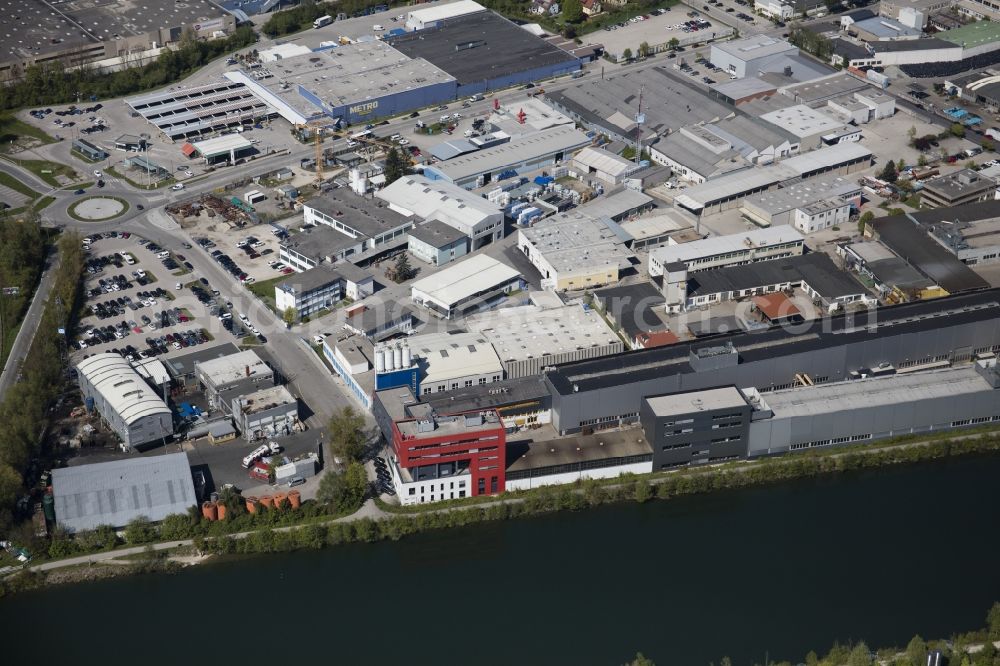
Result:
x=730 y=250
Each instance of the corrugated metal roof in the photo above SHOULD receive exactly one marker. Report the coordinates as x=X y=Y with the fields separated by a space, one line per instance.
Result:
x=122 y=387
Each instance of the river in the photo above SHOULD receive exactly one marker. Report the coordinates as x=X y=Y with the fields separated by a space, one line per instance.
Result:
x=779 y=570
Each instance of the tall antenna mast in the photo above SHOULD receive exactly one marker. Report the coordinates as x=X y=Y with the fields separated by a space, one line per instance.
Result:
x=639 y=120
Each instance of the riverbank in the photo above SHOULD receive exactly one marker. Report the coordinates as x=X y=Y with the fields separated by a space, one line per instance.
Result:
x=391 y=523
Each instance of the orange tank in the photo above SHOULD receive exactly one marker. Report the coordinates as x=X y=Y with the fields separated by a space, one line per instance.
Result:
x=251 y=504
x=279 y=500
x=267 y=501
x=222 y=510
x=210 y=511
x=295 y=499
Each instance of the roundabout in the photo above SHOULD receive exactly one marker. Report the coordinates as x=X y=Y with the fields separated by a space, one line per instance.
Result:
x=97 y=208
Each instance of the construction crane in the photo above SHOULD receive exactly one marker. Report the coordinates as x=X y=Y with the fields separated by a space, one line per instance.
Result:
x=316 y=126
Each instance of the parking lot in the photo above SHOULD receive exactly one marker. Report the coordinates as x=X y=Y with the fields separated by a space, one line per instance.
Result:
x=143 y=302
x=657 y=29
x=252 y=250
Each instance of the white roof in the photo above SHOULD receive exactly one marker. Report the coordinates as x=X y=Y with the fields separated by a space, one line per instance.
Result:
x=153 y=370
x=561 y=139
x=709 y=247
x=221 y=144
x=438 y=200
x=121 y=387
x=441 y=12
x=451 y=355
x=228 y=369
x=530 y=331
x=757 y=46
x=281 y=51
x=466 y=278
x=802 y=121
x=685 y=403
x=283 y=108
x=602 y=160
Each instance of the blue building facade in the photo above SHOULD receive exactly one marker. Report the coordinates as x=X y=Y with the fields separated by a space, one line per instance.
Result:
x=387 y=105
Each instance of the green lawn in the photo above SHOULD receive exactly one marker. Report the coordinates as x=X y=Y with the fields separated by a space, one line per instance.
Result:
x=47 y=171
x=12 y=129
x=169 y=180
x=264 y=290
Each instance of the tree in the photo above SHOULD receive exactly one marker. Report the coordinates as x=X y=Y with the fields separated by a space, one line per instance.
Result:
x=889 y=173
x=395 y=166
x=957 y=129
x=347 y=436
x=673 y=43
x=644 y=50
x=993 y=622
x=641 y=660
x=347 y=491
x=900 y=164
x=988 y=145
x=912 y=132
x=572 y=11
x=627 y=55
x=401 y=271
x=139 y=530
x=865 y=219
x=860 y=655
x=922 y=160
x=916 y=651
x=290 y=315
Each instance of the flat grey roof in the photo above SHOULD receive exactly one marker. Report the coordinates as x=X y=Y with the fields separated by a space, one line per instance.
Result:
x=758 y=46
x=930 y=44
x=827 y=87
x=815 y=268
x=961 y=182
x=745 y=87
x=564 y=139
x=479 y=46
x=617 y=203
x=689 y=153
x=310 y=280
x=725 y=397
x=634 y=307
x=184 y=364
x=437 y=234
x=319 y=242
x=113 y=493
x=523 y=456
x=371 y=217
x=803 y=193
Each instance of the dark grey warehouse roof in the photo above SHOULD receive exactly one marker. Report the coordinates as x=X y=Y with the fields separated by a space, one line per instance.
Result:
x=816 y=268
x=632 y=307
x=911 y=242
x=113 y=493
x=480 y=46
x=929 y=44
x=823 y=333
x=971 y=212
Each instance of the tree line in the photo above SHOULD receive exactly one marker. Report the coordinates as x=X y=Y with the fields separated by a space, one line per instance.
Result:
x=301 y=17
x=24 y=410
x=52 y=83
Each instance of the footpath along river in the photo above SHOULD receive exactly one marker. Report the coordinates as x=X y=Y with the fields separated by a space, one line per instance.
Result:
x=877 y=555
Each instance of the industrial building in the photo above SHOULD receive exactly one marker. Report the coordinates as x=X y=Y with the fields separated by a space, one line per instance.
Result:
x=597 y=163
x=484 y=51
x=316 y=246
x=574 y=251
x=729 y=190
x=955 y=189
x=603 y=393
x=618 y=205
x=368 y=224
x=796 y=204
x=475 y=283
x=523 y=155
x=560 y=461
x=376 y=324
x=454 y=360
x=322 y=287
x=131 y=408
x=689 y=428
x=697 y=155
x=106 y=35
x=225 y=149
x=366 y=367
x=269 y=412
x=479 y=219
x=194 y=111
x=351 y=83
x=117 y=492
x=441 y=455
x=243 y=372
x=89 y=150
x=971 y=231
x=437 y=243
x=813 y=273
x=746 y=57
x=809 y=126
x=731 y=250
x=432 y=17
x=632 y=308
x=531 y=337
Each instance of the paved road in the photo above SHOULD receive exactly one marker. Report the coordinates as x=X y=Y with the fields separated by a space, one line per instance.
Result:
x=26 y=334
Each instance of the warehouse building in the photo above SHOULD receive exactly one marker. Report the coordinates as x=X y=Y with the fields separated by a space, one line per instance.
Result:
x=117 y=492
x=479 y=219
x=105 y=35
x=560 y=461
x=971 y=232
x=321 y=245
x=437 y=243
x=730 y=190
x=434 y=16
x=668 y=227
x=574 y=251
x=194 y=111
x=887 y=404
x=370 y=224
x=454 y=360
x=130 y=406
x=89 y=150
x=530 y=338
x=955 y=189
x=606 y=167
x=322 y=287
x=244 y=371
x=507 y=160
x=790 y=204
x=632 y=308
x=697 y=155
x=478 y=282
x=351 y=83
x=618 y=205
x=730 y=250
x=807 y=125
x=603 y=393
x=746 y=57
x=441 y=455
x=484 y=51
x=221 y=149
x=269 y=412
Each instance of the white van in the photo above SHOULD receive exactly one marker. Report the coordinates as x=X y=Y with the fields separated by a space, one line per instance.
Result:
x=162 y=255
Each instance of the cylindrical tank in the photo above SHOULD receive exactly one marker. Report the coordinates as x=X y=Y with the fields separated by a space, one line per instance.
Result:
x=210 y=511
x=221 y=510
x=251 y=504
x=279 y=499
x=379 y=360
x=295 y=499
x=267 y=500
x=397 y=357
x=407 y=359
x=387 y=356
x=49 y=507
x=89 y=404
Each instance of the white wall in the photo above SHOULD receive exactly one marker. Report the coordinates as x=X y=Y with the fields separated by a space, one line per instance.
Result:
x=438 y=489
x=572 y=477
